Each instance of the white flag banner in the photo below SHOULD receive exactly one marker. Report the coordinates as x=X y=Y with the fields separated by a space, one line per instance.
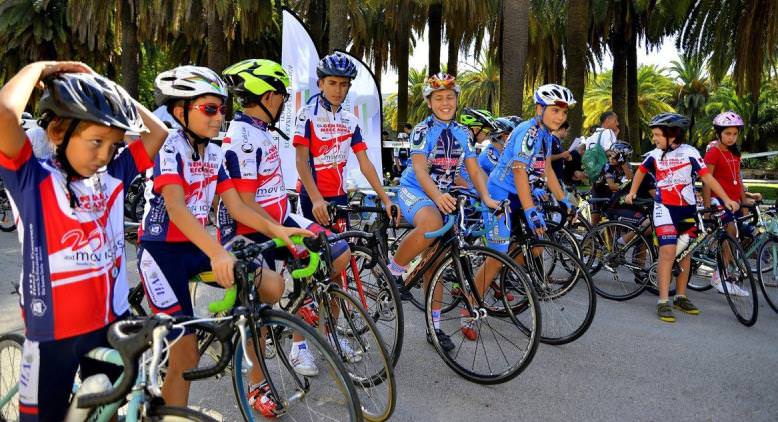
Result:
x=300 y=58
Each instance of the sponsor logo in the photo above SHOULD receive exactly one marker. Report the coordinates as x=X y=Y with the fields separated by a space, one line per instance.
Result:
x=38 y=307
x=76 y=239
x=247 y=147
x=168 y=148
x=155 y=229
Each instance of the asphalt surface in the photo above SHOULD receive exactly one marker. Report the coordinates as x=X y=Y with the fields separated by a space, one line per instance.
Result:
x=628 y=366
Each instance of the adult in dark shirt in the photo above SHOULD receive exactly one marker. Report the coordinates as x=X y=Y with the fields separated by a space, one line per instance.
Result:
x=558 y=154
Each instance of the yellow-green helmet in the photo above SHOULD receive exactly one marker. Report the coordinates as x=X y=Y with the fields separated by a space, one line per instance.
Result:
x=251 y=78
x=476 y=118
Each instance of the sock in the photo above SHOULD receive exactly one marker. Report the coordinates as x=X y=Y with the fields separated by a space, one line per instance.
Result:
x=679 y=296
x=395 y=268
x=661 y=301
x=302 y=345
x=436 y=318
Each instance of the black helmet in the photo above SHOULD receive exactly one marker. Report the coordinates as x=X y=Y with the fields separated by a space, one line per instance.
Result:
x=669 y=120
x=82 y=96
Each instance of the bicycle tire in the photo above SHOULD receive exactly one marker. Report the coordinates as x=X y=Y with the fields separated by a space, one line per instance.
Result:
x=386 y=310
x=767 y=271
x=281 y=337
x=175 y=414
x=11 y=347
x=608 y=256
x=746 y=309
x=375 y=383
x=525 y=342
x=7 y=220
x=575 y=288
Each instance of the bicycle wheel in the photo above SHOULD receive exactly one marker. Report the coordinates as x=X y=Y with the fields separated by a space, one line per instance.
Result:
x=566 y=297
x=381 y=298
x=329 y=396
x=565 y=238
x=356 y=339
x=490 y=346
x=7 y=221
x=738 y=281
x=11 y=346
x=767 y=271
x=622 y=256
x=175 y=414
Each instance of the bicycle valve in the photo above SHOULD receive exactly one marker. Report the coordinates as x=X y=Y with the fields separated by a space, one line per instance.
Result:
x=241 y=324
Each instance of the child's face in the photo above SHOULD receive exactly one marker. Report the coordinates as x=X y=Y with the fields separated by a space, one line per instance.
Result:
x=553 y=117
x=659 y=138
x=91 y=147
x=443 y=104
x=729 y=136
x=335 y=88
x=200 y=121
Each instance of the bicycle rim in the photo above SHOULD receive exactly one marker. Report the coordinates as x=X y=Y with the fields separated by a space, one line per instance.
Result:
x=767 y=271
x=11 y=346
x=738 y=274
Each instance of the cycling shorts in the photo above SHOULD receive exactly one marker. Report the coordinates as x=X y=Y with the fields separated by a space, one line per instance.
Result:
x=411 y=200
x=672 y=221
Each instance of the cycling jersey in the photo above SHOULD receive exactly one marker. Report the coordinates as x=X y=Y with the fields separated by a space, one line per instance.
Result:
x=73 y=277
x=726 y=171
x=445 y=147
x=530 y=144
x=253 y=164
x=488 y=158
x=600 y=188
x=328 y=135
x=558 y=164
x=200 y=179
x=674 y=172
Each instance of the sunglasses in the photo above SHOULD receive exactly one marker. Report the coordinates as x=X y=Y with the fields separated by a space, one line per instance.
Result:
x=436 y=83
x=210 y=109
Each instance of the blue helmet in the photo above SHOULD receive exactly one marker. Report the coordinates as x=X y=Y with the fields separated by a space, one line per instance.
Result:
x=336 y=64
x=669 y=120
x=504 y=124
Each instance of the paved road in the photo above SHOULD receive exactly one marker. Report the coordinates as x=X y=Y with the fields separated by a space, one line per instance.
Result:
x=628 y=366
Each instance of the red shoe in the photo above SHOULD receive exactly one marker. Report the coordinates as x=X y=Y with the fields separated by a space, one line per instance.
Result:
x=309 y=313
x=262 y=401
x=498 y=293
x=468 y=329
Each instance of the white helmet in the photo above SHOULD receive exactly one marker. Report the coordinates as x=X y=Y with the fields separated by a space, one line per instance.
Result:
x=187 y=82
x=553 y=94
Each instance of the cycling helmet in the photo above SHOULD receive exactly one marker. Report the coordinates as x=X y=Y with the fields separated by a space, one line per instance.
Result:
x=26 y=116
x=187 y=82
x=336 y=64
x=503 y=125
x=553 y=94
x=402 y=136
x=728 y=119
x=516 y=120
x=669 y=120
x=476 y=118
x=439 y=82
x=81 y=96
x=251 y=78
x=620 y=151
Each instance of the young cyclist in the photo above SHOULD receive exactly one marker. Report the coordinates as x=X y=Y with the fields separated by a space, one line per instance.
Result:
x=253 y=164
x=174 y=244
x=438 y=146
x=74 y=279
x=674 y=165
x=481 y=125
x=723 y=162
x=324 y=134
x=489 y=157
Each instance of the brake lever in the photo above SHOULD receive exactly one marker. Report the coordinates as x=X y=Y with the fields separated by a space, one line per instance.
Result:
x=241 y=324
x=158 y=335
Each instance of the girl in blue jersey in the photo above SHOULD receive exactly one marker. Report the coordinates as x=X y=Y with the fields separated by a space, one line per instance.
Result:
x=71 y=221
x=438 y=146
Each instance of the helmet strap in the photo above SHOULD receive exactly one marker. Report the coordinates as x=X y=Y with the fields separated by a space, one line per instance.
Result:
x=273 y=120
x=195 y=139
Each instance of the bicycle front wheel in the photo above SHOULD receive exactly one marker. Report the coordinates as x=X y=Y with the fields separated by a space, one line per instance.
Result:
x=11 y=346
x=486 y=342
x=565 y=292
x=330 y=395
x=738 y=281
x=767 y=271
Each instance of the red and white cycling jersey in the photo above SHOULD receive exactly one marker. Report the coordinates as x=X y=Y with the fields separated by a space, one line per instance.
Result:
x=201 y=180
x=252 y=162
x=328 y=135
x=675 y=172
x=74 y=273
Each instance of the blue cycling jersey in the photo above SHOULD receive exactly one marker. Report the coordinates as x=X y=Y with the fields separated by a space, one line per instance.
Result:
x=444 y=145
x=488 y=158
x=530 y=144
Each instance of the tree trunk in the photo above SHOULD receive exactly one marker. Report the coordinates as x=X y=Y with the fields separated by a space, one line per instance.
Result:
x=454 y=41
x=337 y=17
x=217 y=43
x=633 y=110
x=403 y=51
x=515 y=39
x=378 y=69
x=618 y=45
x=316 y=20
x=434 y=29
x=130 y=60
x=576 y=34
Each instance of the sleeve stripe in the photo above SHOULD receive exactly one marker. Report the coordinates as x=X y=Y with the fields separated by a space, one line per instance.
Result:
x=140 y=156
x=22 y=157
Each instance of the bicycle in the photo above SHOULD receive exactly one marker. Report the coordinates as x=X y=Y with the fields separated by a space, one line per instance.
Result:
x=7 y=219
x=504 y=335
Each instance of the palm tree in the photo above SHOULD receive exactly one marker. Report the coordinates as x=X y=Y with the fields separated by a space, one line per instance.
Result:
x=419 y=109
x=514 y=38
x=576 y=33
x=467 y=22
x=693 y=91
x=481 y=86
x=337 y=20
x=739 y=32
x=434 y=33
x=656 y=91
